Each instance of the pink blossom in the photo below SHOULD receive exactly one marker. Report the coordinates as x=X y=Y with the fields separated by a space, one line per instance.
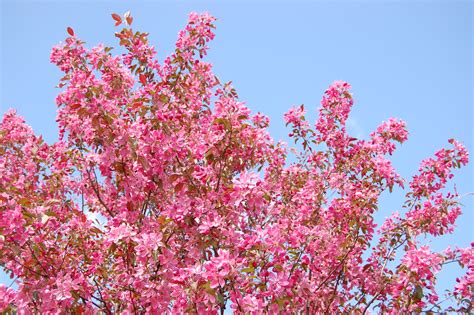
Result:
x=165 y=195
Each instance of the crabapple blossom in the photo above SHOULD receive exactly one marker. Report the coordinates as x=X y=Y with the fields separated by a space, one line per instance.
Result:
x=165 y=194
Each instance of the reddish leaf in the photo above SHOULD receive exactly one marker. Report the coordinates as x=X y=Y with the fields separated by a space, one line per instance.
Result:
x=70 y=31
x=143 y=79
x=178 y=187
x=136 y=105
x=128 y=18
x=117 y=18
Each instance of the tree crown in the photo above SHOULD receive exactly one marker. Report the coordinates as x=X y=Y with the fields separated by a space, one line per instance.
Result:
x=198 y=209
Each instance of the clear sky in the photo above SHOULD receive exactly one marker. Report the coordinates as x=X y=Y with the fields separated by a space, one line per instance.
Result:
x=405 y=59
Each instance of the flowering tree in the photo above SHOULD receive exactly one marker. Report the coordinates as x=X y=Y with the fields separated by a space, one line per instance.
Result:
x=198 y=209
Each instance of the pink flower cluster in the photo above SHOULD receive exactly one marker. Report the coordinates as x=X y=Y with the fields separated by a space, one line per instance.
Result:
x=165 y=194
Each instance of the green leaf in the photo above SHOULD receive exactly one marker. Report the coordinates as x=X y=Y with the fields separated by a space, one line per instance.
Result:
x=250 y=269
x=24 y=202
x=418 y=294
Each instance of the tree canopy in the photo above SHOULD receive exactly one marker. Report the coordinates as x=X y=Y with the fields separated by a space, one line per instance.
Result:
x=198 y=209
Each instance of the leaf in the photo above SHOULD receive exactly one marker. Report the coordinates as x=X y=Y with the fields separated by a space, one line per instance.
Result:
x=143 y=161
x=75 y=295
x=124 y=42
x=112 y=248
x=70 y=31
x=178 y=187
x=128 y=18
x=248 y=269
x=142 y=79
x=207 y=287
x=173 y=177
x=226 y=123
x=117 y=18
x=96 y=230
x=418 y=294
x=165 y=99
x=24 y=202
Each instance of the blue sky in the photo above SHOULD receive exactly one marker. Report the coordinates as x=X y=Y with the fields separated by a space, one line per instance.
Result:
x=405 y=59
